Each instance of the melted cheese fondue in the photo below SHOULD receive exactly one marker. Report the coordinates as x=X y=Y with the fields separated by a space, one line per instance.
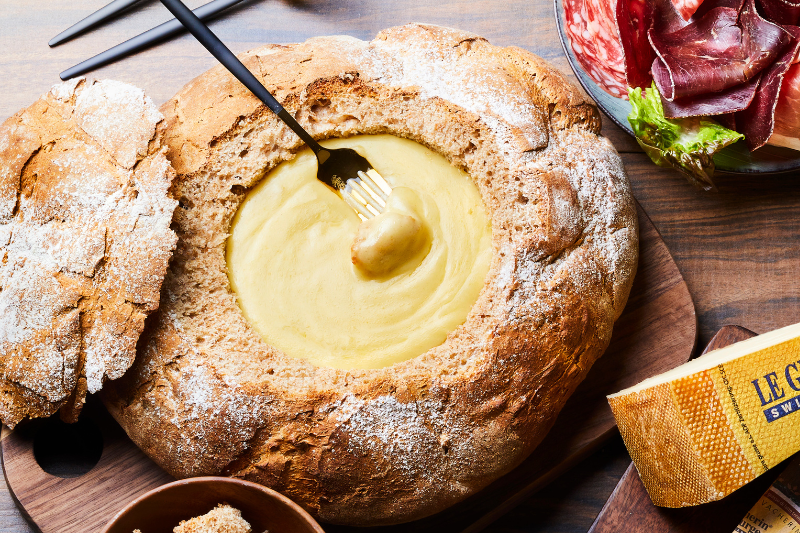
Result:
x=318 y=284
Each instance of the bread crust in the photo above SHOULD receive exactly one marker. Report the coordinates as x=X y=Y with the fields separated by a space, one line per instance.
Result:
x=208 y=396
x=85 y=242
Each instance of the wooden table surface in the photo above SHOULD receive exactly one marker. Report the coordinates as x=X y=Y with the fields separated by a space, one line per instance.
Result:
x=738 y=248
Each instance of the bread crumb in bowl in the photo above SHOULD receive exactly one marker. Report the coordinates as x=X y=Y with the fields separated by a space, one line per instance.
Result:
x=221 y=519
x=166 y=506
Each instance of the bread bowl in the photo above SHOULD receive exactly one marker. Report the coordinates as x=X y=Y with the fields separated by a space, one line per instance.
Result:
x=208 y=395
x=85 y=240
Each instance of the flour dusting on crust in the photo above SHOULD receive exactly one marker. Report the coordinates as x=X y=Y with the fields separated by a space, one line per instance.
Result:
x=380 y=446
x=84 y=239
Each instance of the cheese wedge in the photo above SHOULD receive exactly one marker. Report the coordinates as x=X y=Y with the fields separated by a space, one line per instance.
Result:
x=704 y=429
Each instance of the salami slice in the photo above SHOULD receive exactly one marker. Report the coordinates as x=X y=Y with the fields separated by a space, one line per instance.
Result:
x=593 y=36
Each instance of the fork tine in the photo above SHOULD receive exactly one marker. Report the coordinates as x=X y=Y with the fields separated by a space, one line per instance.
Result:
x=378 y=180
x=360 y=210
x=358 y=191
x=372 y=188
x=365 y=194
x=358 y=197
x=369 y=188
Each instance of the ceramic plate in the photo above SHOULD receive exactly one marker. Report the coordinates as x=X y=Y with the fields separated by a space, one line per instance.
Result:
x=734 y=159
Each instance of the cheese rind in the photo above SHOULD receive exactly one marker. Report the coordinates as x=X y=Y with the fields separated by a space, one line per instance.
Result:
x=699 y=432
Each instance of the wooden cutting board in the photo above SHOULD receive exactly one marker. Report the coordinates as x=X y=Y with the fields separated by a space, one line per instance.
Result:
x=656 y=332
x=629 y=507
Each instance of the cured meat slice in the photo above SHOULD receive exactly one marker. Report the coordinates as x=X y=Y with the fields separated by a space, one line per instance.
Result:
x=708 y=5
x=592 y=32
x=665 y=18
x=758 y=120
x=634 y=18
x=737 y=98
x=787 y=112
x=720 y=50
x=728 y=120
x=682 y=55
x=593 y=28
x=687 y=7
x=784 y=12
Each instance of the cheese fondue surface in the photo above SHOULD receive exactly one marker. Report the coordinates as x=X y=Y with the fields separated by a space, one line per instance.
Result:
x=298 y=274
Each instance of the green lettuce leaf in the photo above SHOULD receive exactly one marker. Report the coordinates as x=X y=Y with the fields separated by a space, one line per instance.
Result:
x=686 y=144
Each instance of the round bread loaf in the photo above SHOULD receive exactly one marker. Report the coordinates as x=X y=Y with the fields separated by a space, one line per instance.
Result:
x=208 y=396
x=85 y=240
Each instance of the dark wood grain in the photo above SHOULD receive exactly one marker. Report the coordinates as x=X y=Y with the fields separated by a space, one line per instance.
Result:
x=630 y=498
x=655 y=333
x=737 y=249
x=635 y=513
x=162 y=70
x=78 y=504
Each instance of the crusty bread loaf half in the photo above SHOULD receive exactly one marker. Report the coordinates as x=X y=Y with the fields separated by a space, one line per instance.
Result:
x=208 y=396
x=85 y=239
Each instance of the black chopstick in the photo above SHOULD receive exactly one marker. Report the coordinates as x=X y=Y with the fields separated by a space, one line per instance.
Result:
x=92 y=20
x=143 y=40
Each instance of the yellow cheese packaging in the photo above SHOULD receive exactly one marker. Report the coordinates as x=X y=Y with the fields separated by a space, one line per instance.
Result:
x=704 y=429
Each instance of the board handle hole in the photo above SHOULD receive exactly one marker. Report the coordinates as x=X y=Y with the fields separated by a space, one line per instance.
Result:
x=67 y=450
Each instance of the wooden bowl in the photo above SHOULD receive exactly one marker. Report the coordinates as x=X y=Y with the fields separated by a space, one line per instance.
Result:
x=163 y=508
